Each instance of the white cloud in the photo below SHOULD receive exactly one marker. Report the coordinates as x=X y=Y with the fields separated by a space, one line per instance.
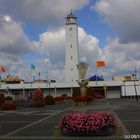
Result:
x=51 y=45
x=14 y=44
x=121 y=51
x=12 y=37
x=41 y=11
x=121 y=58
x=122 y=16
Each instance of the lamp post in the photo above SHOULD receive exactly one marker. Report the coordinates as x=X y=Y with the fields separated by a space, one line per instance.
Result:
x=105 y=91
x=8 y=91
x=134 y=76
x=49 y=82
x=82 y=68
x=124 y=89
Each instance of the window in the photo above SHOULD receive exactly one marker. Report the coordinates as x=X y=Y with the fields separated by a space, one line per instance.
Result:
x=71 y=69
x=71 y=57
x=71 y=46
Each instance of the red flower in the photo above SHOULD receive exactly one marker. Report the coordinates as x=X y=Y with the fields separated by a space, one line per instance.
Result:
x=8 y=106
x=59 y=98
x=87 y=123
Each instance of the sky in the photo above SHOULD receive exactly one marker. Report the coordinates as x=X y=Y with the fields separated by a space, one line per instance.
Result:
x=33 y=32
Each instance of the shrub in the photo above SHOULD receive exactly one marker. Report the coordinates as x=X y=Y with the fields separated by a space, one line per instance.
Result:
x=87 y=124
x=1 y=99
x=38 y=98
x=80 y=99
x=8 y=98
x=59 y=98
x=68 y=97
x=98 y=96
x=49 y=100
x=8 y=106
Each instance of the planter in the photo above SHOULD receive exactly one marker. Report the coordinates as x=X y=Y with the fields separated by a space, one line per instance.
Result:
x=81 y=104
x=57 y=130
x=91 y=124
x=106 y=131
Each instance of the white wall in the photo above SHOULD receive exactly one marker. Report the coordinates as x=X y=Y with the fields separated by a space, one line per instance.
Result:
x=113 y=94
x=129 y=90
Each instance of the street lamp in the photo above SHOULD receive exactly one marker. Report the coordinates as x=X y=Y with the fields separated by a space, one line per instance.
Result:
x=134 y=76
x=8 y=91
x=49 y=82
x=105 y=91
x=124 y=89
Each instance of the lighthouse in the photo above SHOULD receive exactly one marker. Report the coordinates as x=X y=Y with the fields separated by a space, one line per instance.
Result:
x=72 y=49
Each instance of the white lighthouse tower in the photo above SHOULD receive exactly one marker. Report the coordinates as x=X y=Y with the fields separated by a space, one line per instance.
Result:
x=72 y=49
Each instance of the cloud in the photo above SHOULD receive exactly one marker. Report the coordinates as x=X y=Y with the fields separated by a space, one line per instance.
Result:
x=121 y=51
x=121 y=59
x=51 y=45
x=12 y=37
x=14 y=44
x=122 y=17
x=40 y=11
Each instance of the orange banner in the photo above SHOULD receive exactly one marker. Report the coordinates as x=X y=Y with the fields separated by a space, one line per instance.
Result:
x=100 y=63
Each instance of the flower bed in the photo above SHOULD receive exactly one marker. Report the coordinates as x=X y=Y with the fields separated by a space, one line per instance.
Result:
x=68 y=97
x=80 y=99
x=94 y=124
x=8 y=106
x=38 y=99
x=49 y=100
x=59 y=98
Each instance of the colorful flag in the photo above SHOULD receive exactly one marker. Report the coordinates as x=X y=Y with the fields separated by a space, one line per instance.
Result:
x=32 y=67
x=2 y=69
x=100 y=63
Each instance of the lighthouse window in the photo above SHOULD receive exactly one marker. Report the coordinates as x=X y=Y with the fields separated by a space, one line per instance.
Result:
x=71 y=69
x=71 y=46
x=71 y=57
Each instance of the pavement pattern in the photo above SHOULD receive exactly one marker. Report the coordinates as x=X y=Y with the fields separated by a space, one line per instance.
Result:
x=38 y=123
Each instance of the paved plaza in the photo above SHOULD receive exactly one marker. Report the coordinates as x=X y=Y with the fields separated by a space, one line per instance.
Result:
x=38 y=123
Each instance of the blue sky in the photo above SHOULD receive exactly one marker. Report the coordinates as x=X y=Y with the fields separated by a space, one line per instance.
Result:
x=87 y=19
x=33 y=32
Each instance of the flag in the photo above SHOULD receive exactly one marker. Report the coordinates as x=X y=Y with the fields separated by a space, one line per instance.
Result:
x=100 y=63
x=32 y=67
x=2 y=69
